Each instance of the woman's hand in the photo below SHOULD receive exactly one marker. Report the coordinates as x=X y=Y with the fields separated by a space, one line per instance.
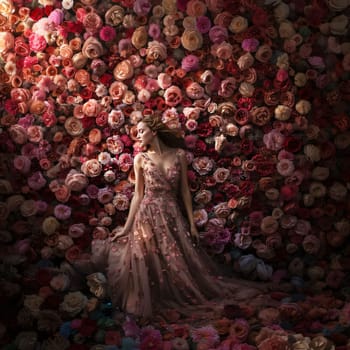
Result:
x=118 y=234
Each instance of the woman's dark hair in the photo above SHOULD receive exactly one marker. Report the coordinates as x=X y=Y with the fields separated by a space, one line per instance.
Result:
x=170 y=137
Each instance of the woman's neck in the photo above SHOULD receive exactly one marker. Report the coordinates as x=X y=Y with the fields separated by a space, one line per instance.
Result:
x=158 y=147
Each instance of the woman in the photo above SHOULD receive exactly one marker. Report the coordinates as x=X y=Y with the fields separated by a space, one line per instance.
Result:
x=154 y=261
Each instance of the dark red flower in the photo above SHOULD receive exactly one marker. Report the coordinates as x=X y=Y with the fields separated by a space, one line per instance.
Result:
x=36 y=13
x=204 y=129
x=88 y=327
x=292 y=144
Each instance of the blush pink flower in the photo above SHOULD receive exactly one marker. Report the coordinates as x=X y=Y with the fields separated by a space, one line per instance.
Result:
x=206 y=334
x=62 y=212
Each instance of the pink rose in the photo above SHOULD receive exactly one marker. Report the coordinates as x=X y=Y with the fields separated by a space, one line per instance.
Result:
x=218 y=34
x=18 y=134
x=92 y=108
x=274 y=140
x=203 y=165
x=76 y=230
x=250 y=45
x=76 y=181
x=36 y=181
x=62 y=212
x=107 y=33
x=37 y=42
x=22 y=164
x=194 y=91
x=190 y=63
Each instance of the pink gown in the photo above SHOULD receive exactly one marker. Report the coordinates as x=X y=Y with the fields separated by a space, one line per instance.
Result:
x=157 y=266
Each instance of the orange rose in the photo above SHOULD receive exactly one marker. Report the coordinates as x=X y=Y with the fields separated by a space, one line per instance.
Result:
x=117 y=90
x=62 y=193
x=95 y=136
x=6 y=7
x=82 y=77
x=92 y=22
x=156 y=51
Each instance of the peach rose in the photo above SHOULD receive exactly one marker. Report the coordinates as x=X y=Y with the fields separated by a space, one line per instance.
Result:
x=196 y=8
x=339 y=25
x=79 y=60
x=303 y=107
x=222 y=210
x=194 y=91
x=22 y=164
x=191 y=40
x=95 y=136
x=62 y=193
x=222 y=50
x=76 y=181
x=269 y=225
x=173 y=95
x=91 y=168
x=92 y=22
x=92 y=108
x=123 y=70
x=74 y=126
x=117 y=90
x=221 y=175
x=7 y=42
x=35 y=133
x=92 y=48
x=312 y=152
x=246 y=89
x=114 y=15
x=203 y=197
x=282 y=112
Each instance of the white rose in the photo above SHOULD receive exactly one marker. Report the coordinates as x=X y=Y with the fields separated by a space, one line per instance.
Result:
x=282 y=112
x=281 y=12
x=286 y=29
x=300 y=79
x=339 y=25
x=238 y=24
x=303 y=107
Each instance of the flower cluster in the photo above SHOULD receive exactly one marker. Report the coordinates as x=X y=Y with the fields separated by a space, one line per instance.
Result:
x=261 y=92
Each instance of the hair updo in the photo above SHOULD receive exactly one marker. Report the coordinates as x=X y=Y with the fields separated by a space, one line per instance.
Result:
x=170 y=137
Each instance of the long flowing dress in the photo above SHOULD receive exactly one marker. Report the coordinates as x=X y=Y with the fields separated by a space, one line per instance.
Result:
x=157 y=265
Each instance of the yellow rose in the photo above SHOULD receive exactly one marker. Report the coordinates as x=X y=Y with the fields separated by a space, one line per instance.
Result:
x=191 y=40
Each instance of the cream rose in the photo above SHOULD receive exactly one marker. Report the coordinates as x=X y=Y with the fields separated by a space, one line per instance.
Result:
x=123 y=70
x=300 y=79
x=5 y=187
x=245 y=61
x=202 y=165
x=60 y=282
x=222 y=210
x=203 y=197
x=246 y=89
x=238 y=24
x=221 y=175
x=33 y=302
x=303 y=107
x=92 y=48
x=156 y=51
x=191 y=40
x=91 y=168
x=282 y=112
x=74 y=126
x=263 y=54
x=97 y=284
x=76 y=181
x=18 y=134
x=7 y=42
x=281 y=12
x=139 y=37
x=73 y=303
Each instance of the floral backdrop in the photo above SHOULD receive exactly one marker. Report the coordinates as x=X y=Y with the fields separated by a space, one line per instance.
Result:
x=261 y=93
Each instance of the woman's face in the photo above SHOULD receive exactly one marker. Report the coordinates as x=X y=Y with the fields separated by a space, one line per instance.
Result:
x=144 y=134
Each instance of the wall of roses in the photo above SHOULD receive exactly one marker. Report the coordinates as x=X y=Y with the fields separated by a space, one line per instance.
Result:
x=260 y=90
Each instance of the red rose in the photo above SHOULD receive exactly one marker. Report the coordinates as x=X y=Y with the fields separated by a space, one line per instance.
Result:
x=246 y=146
x=292 y=144
x=52 y=302
x=48 y=9
x=204 y=129
x=44 y=276
x=37 y=13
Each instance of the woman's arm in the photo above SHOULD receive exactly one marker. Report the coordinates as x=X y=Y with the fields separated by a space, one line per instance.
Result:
x=136 y=199
x=186 y=196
